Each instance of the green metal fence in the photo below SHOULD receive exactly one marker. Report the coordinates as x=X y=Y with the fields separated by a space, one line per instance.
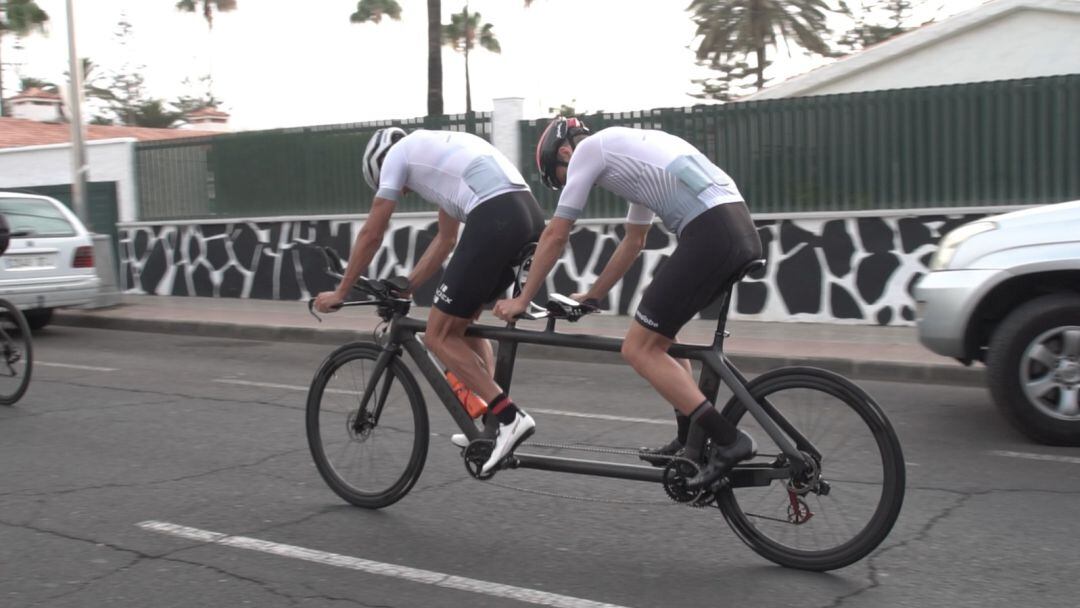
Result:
x=993 y=143
x=297 y=171
x=979 y=144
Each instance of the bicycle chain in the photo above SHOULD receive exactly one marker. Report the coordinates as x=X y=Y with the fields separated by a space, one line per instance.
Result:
x=704 y=500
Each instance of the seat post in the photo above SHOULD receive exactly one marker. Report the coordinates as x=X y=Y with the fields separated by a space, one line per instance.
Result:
x=721 y=323
x=729 y=289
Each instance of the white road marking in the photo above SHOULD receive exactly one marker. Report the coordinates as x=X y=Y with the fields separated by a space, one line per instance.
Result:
x=416 y=575
x=288 y=387
x=1034 y=456
x=72 y=366
x=600 y=416
x=291 y=387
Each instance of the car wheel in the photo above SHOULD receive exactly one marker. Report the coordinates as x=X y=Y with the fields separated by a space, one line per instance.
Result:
x=1033 y=368
x=38 y=317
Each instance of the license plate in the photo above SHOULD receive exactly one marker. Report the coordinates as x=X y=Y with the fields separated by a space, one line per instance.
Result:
x=19 y=262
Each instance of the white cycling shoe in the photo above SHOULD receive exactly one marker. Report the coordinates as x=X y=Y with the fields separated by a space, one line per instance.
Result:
x=460 y=440
x=508 y=437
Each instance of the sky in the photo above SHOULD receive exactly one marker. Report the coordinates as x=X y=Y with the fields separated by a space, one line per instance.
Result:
x=275 y=65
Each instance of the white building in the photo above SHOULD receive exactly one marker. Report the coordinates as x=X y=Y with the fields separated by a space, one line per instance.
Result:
x=999 y=40
x=37 y=104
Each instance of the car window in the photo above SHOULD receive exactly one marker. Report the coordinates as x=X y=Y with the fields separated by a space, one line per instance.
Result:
x=37 y=217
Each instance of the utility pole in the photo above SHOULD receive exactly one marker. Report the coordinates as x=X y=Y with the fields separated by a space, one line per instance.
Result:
x=78 y=146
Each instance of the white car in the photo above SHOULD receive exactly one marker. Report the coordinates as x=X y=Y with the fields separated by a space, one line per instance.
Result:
x=49 y=262
x=1005 y=290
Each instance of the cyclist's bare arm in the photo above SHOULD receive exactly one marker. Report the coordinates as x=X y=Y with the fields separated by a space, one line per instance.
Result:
x=552 y=243
x=621 y=261
x=364 y=249
x=436 y=252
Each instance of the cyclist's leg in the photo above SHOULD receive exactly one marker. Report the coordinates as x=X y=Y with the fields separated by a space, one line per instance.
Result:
x=483 y=349
x=445 y=336
x=710 y=249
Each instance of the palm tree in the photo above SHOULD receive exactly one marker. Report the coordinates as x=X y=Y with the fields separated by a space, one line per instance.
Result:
x=20 y=17
x=462 y=34
x=208 y=7
x=731 y=30
x=375 y=10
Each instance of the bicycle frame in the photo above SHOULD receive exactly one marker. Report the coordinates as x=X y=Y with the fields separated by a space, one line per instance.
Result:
x=716 y=368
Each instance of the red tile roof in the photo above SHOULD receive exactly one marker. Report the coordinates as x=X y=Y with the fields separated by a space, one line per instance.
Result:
x=208 y=111
x=36 y=93
x=17 y=132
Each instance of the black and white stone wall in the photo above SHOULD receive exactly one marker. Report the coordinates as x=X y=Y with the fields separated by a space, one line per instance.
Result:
x=832 y=270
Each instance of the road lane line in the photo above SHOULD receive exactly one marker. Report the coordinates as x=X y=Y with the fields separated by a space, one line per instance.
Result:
x=1034 y=456
x=288 y=387
x=601 y=416
x=531 y=409
x=90 y=368
x=416 y=575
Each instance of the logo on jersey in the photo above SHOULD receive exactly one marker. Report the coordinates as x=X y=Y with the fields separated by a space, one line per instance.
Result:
x=440 y=294
x=646 y=320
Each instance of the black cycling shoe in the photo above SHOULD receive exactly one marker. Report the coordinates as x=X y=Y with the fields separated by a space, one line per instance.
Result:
x=722 y=459
x=659 y=457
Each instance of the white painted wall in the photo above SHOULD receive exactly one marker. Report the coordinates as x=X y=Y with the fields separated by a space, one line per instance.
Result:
x=505 y=133
x=36 y=109
x=1023 y=44
x=110 y=160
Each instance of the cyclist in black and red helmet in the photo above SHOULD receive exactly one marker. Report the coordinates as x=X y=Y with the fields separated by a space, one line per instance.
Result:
x=659 y=175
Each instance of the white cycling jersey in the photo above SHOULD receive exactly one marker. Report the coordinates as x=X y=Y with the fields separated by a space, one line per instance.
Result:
x=454 y=170
x=656 y=172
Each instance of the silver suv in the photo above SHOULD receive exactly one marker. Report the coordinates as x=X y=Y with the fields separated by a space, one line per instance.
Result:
x=1005 y=290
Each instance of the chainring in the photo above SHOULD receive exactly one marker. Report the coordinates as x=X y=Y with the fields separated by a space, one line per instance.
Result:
x=674 y=478
x=476 y=454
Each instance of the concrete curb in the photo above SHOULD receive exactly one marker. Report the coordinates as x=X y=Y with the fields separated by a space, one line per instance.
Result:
x=891 y=371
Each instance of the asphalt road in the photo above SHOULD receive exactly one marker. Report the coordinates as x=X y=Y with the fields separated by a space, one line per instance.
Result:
x=131 y=450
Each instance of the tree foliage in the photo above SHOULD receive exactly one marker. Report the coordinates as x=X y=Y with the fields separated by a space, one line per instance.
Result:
x=877 y=22
x=733 y=31
x=20 y=17
x=207 y=8
x=375 y=10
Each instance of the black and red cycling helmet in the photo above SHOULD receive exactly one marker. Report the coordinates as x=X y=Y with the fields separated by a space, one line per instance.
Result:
x=560 y=129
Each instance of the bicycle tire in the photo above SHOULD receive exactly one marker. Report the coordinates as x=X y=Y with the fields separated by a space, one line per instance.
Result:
x=757 y=530
x=17 y=348
x=404 y=415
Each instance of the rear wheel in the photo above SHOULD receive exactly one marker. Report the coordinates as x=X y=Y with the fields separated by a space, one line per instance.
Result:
x=16 y=354
x=370 y=462
x=837 y=514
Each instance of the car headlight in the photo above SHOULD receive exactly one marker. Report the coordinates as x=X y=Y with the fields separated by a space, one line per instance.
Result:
x=952 y=241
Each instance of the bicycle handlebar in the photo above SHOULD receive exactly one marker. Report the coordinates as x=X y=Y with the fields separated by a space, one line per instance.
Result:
x=388 y=293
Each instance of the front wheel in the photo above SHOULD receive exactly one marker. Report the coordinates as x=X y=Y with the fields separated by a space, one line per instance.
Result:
x=842 y=510
x=17 y=356
x=369 y=457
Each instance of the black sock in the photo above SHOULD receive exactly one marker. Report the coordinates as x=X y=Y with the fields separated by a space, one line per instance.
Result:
x=504 y=409
x=682 y=421
x=718 y=428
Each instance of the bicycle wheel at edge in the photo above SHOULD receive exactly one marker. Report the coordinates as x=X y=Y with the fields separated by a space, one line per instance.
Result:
x=861 y=459
x=370 y=469
x=17 y=358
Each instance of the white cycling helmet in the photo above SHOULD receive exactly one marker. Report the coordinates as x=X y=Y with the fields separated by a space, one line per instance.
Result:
x=376 y=150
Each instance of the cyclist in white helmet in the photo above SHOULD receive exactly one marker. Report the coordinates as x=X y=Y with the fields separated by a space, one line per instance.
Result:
x=662 y=175
x=472 y=183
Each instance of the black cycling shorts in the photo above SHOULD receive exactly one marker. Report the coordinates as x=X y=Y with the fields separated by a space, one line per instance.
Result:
x=482 y=266
x=712 y=247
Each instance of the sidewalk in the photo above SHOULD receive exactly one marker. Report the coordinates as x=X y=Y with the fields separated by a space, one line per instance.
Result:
x=859 y=351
